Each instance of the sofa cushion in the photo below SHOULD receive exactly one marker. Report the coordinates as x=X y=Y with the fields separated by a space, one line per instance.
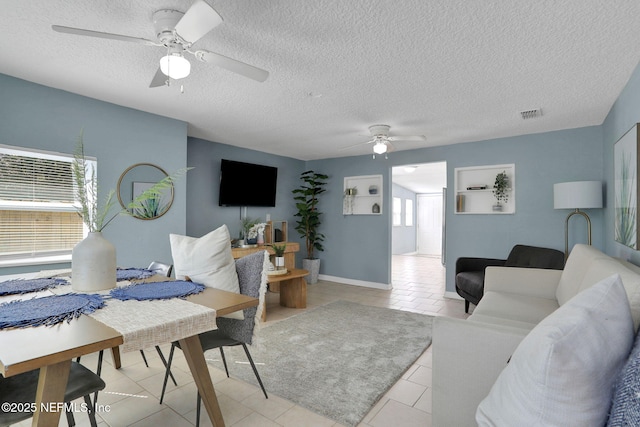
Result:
x=513 y=309
x=563 y=371
x=501 y=321
x=575 y=271
x=625 y=409
x=207 y=260
x=604 y=267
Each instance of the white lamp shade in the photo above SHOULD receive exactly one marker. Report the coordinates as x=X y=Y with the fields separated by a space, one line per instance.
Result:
x=380 y=148
x=175 y=66
x=577 y=195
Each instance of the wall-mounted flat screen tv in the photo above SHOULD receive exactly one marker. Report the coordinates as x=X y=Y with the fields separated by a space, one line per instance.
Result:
x=247 y=184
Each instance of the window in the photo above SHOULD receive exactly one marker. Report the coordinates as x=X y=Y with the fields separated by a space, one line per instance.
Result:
x=38 y=216
x=408 y=213
x=397 y=211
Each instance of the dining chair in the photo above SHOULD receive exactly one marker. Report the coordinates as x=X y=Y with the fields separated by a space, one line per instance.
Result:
x=162 y=269
x=21 y=389
x=233 y=332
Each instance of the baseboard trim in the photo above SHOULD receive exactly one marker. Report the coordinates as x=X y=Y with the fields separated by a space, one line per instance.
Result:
x=362 y=283
x=453 y=295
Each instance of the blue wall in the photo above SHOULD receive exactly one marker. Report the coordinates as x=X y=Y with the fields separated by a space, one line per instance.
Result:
x=624 y=114
x=357 y=247
x=35 y=116
x=540 y=161
x=204 y=214
x=403 y=239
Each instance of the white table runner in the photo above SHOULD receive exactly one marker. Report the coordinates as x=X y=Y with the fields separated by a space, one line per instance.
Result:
x=144 y=324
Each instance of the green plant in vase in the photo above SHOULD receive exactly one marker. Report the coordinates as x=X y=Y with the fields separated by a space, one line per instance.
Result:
x=246 y=226
x=501 y=190
x=279 y=255
x=308 y=223
x=93 y=259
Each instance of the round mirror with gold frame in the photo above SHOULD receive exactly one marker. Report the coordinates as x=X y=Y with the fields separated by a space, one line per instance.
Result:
x=134 y=181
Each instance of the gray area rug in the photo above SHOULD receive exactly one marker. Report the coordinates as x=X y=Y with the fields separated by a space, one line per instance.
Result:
x=336 y=360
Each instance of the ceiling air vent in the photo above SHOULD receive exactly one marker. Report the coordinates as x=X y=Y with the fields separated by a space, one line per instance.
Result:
x=531 y=114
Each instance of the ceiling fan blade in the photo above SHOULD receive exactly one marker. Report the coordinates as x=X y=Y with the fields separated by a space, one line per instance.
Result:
x=111 y=36
x=408 y=138
x=238 y=67
x=159 y=79
x=355 y=145
x=198 y=21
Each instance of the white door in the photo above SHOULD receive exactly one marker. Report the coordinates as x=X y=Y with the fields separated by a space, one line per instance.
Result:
x=429 y=224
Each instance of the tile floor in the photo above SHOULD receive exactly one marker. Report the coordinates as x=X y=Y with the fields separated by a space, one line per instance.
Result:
x=132 y=393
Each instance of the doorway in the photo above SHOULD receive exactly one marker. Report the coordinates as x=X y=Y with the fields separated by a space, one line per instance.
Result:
x=422 y=186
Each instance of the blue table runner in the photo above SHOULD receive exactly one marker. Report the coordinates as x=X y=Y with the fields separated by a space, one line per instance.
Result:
x=49 y=310
x=23 y=286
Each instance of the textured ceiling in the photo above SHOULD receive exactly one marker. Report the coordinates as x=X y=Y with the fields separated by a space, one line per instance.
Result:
x=452 y=70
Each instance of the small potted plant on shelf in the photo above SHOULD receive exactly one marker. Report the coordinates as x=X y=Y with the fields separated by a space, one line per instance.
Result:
x=279 y=252
x=306 y=197
x=501 y=190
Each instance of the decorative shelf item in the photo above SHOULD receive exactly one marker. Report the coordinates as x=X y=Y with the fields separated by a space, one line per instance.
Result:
x=362 y=195
x=485 y=189
x=275 y=232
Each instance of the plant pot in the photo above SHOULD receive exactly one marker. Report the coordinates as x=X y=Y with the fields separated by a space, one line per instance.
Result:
x=93 y=264
x=279 y=262
x=313 y=267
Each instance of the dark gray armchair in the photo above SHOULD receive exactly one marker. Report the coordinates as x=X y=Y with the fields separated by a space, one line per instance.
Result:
x=470 y=271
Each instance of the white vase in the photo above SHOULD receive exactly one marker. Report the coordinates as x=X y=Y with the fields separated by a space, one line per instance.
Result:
x=93 y=264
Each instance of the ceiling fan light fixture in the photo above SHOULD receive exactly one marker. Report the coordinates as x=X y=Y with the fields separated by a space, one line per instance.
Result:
x=175 y=66
x=380 y=148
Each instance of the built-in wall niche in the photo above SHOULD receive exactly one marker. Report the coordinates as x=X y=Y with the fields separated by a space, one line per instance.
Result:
x=474 y=189
x=362 y=195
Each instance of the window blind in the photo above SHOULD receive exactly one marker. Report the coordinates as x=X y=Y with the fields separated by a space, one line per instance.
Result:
x=37 y=212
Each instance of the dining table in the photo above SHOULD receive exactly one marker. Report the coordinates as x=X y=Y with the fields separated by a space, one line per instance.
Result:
x=52 y=348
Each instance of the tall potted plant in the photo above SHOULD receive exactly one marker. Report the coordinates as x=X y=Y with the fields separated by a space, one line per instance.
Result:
x=306 y=197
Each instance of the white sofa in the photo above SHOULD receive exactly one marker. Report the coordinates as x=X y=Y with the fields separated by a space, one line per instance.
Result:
x=469 y=355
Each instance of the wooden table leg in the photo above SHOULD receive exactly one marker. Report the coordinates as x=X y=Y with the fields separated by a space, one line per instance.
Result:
x=293 y=293
x=194 y=355
x=52 y=384
x=115 y=353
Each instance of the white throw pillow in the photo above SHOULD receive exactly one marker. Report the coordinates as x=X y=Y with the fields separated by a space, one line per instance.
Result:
x=207 y=260
x=562 y=372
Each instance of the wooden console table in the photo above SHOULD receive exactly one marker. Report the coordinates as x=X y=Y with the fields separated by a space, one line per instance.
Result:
x=289 y=253
x=293 y=289
x=292 y=286
x=289 y=258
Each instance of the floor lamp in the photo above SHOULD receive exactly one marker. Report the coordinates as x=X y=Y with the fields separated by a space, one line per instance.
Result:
x=577 y=195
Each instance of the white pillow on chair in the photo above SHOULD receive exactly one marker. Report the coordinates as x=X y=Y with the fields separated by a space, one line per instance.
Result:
x=562 y=372
x=207 y=260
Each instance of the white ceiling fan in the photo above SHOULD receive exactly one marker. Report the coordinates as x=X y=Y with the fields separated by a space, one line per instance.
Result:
x=382 y=141
x=177 y=32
